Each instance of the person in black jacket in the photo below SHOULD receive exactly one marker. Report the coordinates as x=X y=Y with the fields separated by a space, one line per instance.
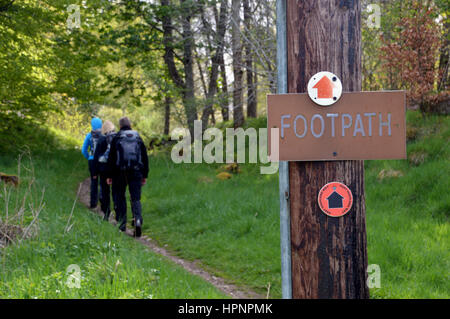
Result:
x=128 y=166
x=100 y=167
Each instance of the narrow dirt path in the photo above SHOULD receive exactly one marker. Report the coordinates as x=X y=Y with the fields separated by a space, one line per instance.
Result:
x=189 y=266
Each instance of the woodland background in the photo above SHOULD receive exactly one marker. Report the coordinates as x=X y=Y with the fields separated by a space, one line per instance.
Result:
x=167 y=63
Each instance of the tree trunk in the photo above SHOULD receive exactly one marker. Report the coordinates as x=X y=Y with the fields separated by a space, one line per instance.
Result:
x=215 y=63
x=186 y=85
x=329 y=258
x=444 y=60
x=251 y=94
x=188 y=62
x=224 y=99
x=167 y=103
x=168 y=42
x=213 y=119
x=238 y=113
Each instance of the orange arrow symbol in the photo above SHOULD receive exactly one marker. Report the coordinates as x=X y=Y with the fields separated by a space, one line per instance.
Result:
x=324 y=88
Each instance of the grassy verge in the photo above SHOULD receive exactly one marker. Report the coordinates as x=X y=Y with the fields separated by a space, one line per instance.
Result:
x=232 y=226
x=111 y=265
x=408 y=214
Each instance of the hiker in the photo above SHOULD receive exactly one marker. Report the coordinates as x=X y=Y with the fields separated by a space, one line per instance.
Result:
x=88 y=150
x=128 y=166
x=100 y=167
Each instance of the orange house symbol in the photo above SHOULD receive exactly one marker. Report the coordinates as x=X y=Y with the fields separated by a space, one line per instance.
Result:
x=324 y=88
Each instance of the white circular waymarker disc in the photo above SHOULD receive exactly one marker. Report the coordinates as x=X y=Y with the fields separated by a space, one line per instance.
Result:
x=324 y=88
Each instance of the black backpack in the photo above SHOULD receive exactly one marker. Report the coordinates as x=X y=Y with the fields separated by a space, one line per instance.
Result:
x=104 y=157
x=95 y=136
x=129 y=150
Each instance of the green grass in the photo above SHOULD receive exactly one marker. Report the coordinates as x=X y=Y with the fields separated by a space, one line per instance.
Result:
x=408 y=217
x=112 y=265
x=232 y=226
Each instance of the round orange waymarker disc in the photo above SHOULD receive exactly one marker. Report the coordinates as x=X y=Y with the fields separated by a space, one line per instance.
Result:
x=335 y=199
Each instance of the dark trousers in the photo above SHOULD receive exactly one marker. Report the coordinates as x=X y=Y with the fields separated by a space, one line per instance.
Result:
x=114 y=198
x=133 y=180
x=105 y=196
x=94 y=185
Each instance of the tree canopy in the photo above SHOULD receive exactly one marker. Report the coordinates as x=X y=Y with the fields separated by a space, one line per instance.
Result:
x=181 y=60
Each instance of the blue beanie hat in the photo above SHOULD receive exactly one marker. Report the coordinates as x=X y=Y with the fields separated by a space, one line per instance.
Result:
x=96 y=123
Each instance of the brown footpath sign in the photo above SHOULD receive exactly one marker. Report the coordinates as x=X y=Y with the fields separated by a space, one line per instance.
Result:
x=360 y=126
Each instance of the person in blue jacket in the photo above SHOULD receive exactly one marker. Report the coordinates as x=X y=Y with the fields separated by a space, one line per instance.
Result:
x=88 y=150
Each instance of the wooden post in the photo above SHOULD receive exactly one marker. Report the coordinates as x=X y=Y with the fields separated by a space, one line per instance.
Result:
x=329 y=256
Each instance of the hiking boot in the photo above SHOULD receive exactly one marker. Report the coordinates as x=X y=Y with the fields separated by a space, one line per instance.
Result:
x=106 y=216
x=138 y=230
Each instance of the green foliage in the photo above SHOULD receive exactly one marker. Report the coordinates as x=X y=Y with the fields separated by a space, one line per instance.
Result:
x=375 y=77
x=38 y=57
x=18 y=135
x=115 y=58
x=145 y=119
x=22 y=59
x=70 y=119
x=256 y=123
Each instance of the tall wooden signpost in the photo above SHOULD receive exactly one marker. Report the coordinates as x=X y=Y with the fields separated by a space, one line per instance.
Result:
x=325 y=146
